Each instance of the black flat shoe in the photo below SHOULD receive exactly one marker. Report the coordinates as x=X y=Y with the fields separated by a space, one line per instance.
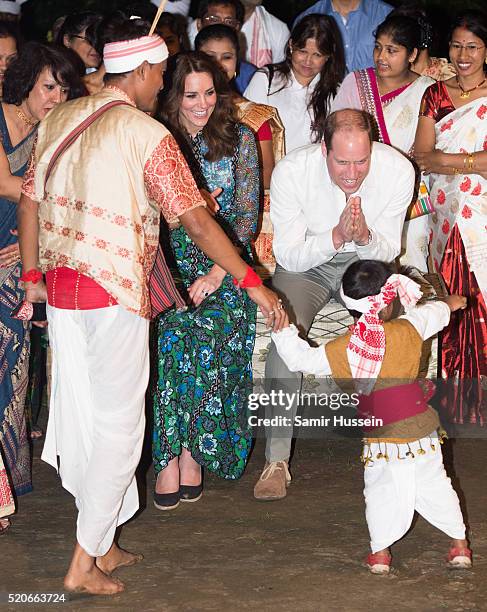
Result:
x=166 y=501
x=188 y=493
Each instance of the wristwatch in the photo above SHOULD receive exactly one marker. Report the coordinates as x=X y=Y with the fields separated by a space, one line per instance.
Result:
x=369 y=240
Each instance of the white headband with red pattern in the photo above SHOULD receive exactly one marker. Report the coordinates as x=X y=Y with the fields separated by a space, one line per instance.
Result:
x=127 y=55
x=367 y=345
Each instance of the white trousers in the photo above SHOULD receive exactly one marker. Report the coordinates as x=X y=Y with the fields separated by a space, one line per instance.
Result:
x=394 y=489
x=100 y=373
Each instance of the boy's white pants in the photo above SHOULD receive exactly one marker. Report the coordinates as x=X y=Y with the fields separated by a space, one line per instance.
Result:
x=100 y=373
x=394 y=489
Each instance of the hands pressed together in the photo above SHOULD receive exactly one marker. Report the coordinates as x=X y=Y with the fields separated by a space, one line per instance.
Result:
x=352 y=226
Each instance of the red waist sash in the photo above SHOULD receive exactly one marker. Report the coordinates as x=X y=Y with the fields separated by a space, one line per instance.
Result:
x=394 y=404
x=67 y=288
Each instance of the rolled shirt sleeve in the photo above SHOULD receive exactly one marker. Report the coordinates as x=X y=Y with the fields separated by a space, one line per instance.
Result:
x=169 y=182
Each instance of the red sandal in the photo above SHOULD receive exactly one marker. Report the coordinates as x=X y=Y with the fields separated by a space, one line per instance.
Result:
x=459 y=558
x=379 y=563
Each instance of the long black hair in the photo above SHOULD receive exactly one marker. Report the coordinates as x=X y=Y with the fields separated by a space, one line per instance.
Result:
x=324 y=31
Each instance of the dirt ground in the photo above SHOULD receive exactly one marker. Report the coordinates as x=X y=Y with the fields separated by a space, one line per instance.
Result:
x=230 y=553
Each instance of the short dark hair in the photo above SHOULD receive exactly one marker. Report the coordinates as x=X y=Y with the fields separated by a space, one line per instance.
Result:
x=347 y=120
x=73 y=25
x=365 y=277
x=474 y=21
x=218 y=31
x=403 y=30
x=237 y=5
x=23 y=73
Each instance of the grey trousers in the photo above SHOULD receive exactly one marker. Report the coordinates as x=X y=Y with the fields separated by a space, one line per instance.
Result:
x=304 y=294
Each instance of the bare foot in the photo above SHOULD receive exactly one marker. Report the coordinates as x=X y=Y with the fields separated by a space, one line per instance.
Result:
x=189 y=469
x=84 y=577
x=117 y=557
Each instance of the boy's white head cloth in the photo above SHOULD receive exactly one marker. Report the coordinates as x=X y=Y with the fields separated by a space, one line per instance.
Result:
x=366 y=349
x=10 y=7
x=127 y=55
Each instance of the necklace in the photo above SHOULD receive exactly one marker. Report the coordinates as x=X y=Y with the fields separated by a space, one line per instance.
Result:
x=23 y=117
x=466 y=92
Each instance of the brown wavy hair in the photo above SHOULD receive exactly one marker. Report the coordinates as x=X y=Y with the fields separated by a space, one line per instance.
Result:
x=220 y=133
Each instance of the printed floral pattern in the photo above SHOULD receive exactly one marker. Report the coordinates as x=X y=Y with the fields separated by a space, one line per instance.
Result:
x=169 y=181
x=205 y=353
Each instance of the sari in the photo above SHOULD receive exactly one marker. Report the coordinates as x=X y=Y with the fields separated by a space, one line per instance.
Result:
x=7 y=504
x=459 y=249
x=396 y=116
x=14 y=334
x=254 y=116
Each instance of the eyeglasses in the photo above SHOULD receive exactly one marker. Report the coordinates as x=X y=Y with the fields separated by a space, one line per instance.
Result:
x=213 y=19
x=81 y=38
x=470 y=49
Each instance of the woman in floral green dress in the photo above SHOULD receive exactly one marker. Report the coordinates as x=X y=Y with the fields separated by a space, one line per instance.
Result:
x=205 y=353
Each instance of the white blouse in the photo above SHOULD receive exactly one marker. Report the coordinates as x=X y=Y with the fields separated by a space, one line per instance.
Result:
x=291 y=103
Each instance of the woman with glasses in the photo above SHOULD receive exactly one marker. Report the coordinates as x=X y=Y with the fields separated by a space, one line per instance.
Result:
x=451 y=146
x=77 y=33
x=224 y=12
x=303 y=86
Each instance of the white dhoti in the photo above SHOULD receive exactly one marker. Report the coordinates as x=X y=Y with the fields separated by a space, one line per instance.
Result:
x=100 y=373
x=394 y=489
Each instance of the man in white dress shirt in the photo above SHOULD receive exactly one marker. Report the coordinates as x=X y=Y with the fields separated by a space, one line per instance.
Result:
x=331 y=203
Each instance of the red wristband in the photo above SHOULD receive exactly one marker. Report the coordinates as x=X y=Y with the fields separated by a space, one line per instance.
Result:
x=252 y=279
x=32 y=276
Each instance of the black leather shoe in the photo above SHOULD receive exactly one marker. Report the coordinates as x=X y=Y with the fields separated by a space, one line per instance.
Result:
x=166 y=501
x=188 y=493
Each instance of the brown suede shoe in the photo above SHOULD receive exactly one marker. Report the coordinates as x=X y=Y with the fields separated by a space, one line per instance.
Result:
x=273 y=481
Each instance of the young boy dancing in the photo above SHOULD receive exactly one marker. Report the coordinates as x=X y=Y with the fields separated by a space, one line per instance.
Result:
x=403 y=463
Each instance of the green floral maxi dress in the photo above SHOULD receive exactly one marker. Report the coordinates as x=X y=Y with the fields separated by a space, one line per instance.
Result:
x=205 y=353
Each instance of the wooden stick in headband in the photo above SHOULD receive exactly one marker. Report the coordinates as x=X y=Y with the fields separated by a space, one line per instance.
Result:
x=160 y=10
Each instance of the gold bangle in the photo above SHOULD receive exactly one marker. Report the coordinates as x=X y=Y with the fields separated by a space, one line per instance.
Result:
x=456 y=171
x=465 y=160
x=471 y=161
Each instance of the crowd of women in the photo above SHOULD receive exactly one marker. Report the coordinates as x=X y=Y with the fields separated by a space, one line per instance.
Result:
x=431 y=109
